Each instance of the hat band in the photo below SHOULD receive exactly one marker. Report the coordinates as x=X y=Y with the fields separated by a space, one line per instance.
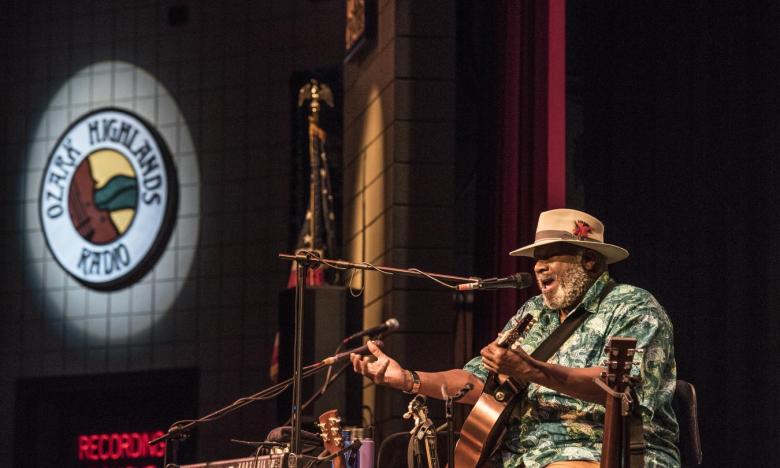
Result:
x=564 y=235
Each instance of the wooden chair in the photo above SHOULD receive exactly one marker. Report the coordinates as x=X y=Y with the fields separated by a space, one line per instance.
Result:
x=684 y=405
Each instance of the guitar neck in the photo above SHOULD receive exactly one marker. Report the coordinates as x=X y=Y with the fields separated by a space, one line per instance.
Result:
x=613 y=435
x=615 y=445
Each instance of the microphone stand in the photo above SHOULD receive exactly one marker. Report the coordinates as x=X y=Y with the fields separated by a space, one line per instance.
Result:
x=307 y=259
x=449 y=419
x=178 y=431
x=448 y=415
x=303 y=265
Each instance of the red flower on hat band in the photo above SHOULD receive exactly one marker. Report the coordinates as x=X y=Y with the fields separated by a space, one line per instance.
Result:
x=582 y=229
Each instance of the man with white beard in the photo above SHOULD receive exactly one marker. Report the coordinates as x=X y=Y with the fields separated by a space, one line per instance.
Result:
x=559 y=422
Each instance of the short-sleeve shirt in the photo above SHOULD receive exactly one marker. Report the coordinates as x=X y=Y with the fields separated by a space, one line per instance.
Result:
x=555 y=427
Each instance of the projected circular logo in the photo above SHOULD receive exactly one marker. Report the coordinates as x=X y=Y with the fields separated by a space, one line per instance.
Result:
x=108 y=198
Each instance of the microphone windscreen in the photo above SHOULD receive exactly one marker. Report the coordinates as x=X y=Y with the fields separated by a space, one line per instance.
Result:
x=392 y=324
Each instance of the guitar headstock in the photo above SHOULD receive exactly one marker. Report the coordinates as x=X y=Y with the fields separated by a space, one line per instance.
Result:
x=330 y=430
x=417 y=410
x=620 y=357
x=513 y=337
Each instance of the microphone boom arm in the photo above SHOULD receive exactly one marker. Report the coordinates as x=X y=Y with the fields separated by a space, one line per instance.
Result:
x=314 y=261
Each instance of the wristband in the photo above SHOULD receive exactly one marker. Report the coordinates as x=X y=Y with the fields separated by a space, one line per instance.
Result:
x=415 y=384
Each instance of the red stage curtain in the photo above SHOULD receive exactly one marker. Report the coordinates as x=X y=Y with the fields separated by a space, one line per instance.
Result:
x=530 y=170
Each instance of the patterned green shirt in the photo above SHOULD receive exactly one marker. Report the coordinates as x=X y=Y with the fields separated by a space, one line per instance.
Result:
x=556 y=427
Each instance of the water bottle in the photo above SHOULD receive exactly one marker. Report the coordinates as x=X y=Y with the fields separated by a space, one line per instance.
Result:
x=366 y=458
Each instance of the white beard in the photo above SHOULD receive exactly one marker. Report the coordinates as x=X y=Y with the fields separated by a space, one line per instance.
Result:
x=572 y=286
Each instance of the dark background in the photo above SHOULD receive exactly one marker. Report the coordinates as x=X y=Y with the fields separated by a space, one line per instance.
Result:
x=673 y=112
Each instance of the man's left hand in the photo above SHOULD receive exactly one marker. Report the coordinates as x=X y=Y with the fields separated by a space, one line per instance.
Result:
x=514 y=363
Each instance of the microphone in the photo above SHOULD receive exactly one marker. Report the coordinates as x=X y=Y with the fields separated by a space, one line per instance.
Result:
x=281 y=435
x=345 y=355
x=388 y=327
x=516 y=281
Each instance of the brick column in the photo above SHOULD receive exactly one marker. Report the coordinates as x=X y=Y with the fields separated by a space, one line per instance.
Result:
x=399 y=134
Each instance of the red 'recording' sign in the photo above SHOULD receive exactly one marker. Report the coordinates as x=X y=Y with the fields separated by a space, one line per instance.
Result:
x=120 y=446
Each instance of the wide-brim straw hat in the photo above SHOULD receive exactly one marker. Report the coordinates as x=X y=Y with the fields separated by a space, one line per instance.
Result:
x=572 y=227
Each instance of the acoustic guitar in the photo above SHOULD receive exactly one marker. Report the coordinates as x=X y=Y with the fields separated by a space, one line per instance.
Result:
x=485 y=426
x=620 y=355
x=329 y=423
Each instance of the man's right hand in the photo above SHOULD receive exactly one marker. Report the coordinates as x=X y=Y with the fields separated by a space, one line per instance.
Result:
x=380 y=368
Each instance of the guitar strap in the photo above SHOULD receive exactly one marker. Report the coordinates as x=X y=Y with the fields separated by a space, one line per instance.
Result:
x=413 y=452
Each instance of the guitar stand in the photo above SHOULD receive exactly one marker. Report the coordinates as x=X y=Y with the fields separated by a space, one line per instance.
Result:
x=421 y=451
x=627 y=404
x=449 y=419
x=624 y=398
x=353 y=449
